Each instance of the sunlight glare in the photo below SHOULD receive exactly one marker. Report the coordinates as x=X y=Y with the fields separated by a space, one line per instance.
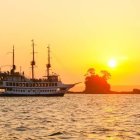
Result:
x=112 y=63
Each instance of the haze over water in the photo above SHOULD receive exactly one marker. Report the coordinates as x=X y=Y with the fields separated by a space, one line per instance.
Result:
x=74 y=117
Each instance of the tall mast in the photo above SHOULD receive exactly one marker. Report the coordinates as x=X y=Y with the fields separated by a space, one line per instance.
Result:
x=33 y=61
x=49 y=63
x=13 y=66
x=13 y=56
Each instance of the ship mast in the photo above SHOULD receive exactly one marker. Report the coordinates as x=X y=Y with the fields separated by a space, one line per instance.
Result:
x=33 y=61
x=13 y=67
x=49 y=63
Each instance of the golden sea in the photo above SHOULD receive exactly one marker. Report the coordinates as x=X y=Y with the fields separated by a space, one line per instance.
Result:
x=72 y=117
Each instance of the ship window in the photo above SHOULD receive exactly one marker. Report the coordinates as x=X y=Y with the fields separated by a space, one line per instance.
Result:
x=8 y=89
x=30 y=85
x=26 y=84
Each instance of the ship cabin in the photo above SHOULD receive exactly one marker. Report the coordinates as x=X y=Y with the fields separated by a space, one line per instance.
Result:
x=52 y=78
x=17 y=80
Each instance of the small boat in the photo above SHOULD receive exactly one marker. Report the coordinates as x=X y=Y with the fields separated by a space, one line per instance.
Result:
x=14 y=83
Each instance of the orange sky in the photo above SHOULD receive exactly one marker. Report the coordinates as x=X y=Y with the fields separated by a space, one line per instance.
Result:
x=81 y=33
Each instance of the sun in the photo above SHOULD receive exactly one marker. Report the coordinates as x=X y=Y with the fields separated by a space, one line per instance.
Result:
x=112 y=63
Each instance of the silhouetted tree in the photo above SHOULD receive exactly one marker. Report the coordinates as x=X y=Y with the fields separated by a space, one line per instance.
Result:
x=91 y=71
x=95 y=83
x=106 y=74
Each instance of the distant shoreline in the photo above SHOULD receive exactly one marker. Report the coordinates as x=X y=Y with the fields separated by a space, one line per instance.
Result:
x=134 y=91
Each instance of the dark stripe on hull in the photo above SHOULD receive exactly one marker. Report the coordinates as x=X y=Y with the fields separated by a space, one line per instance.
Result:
x=32 y=95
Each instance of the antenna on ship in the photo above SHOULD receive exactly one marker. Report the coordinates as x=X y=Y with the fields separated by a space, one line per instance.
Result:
x=33 y=61
x=13 y=67
x=49 y=63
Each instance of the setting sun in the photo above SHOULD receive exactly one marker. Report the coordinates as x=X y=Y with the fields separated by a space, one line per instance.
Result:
x=112 y=63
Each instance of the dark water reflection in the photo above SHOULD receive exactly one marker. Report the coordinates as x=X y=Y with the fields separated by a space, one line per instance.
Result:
x=74 y=117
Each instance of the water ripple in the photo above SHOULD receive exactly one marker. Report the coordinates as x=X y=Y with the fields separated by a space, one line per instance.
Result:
x=74 y=117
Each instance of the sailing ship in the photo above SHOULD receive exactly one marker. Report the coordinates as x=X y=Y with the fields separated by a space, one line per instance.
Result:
x=14 y=83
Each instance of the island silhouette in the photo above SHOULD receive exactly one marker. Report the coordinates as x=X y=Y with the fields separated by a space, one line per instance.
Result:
x=98 y=84
x=95 y=83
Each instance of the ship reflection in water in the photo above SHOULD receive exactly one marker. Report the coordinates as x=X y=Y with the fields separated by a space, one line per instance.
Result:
x=75 y=117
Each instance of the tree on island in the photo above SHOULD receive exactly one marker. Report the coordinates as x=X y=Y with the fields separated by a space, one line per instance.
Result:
x=95 y=83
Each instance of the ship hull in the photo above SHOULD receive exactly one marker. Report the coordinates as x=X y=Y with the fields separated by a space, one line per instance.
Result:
x=32 y=95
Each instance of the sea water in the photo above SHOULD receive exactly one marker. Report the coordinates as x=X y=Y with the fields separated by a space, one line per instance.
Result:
x=72 y=117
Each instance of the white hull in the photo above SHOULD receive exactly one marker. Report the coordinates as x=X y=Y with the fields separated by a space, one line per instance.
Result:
x=23 y=89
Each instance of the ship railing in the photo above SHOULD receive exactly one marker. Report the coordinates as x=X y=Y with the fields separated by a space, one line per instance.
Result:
x=45 y=80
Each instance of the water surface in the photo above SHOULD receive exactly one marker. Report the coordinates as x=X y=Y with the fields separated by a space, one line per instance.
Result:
x=73 y=117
